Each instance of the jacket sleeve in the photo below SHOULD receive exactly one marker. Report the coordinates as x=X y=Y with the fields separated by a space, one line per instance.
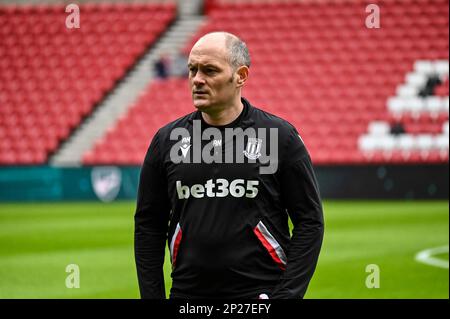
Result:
x=151 y=224
x=300 y=194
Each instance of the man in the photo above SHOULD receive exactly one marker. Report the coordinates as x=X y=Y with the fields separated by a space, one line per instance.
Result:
x=222 y=209
x=161 y=67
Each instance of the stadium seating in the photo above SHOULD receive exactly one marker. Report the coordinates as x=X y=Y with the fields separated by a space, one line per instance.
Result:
x=51 y=77
x=317 y=65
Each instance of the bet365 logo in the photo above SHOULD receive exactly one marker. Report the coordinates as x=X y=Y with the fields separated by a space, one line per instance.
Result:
x=219 y=188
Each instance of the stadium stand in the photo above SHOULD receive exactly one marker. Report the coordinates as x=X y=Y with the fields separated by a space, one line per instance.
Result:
x=51 y=77
x=319 y=66
x=314 y=63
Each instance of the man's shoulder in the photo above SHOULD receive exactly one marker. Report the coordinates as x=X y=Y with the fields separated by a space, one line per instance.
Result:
x=287 y=132
x=270 y=120
x=293 y=145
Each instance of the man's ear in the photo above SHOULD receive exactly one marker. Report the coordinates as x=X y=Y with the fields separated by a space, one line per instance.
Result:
x=242 y=75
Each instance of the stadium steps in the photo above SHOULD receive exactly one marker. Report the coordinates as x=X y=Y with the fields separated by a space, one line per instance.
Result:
x=189 y=8
x=122 y=97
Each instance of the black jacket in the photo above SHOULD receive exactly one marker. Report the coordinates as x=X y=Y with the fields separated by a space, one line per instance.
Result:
x=226 y=224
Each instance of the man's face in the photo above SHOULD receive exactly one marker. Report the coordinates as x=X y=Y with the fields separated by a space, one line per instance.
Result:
x=211 y=77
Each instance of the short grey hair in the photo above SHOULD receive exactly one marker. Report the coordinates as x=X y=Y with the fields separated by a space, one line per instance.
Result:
x=238 y=51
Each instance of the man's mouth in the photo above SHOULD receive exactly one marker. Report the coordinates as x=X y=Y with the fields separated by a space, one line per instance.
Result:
x=200 y=92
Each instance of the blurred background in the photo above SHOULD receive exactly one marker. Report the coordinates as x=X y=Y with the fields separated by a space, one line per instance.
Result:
x=84 y=86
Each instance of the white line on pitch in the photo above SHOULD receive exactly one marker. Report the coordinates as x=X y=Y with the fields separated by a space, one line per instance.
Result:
x=426 y=257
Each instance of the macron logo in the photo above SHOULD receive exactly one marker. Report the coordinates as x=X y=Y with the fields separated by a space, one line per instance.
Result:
x=185 y=145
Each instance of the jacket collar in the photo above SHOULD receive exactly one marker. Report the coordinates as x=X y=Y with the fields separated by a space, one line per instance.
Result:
x=243 y=121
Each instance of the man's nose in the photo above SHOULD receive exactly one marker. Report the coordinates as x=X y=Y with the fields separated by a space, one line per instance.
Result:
x=198 y=79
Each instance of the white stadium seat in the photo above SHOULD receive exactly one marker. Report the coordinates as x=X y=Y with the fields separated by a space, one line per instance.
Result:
x=378 y=128
x=417 y=80
x=441 y=67
x=407 y=90
x=424 y=142
x=434 y=104
x=388 y=143
x=396 y=105
x=445 y=104
x=424 y=67
x=441 y=142
x=415 y=105
x=368 y=143
x=445 y=129
x=406 y=143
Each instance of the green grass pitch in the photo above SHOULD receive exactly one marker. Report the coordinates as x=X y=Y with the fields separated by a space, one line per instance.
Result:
x=38 y=241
